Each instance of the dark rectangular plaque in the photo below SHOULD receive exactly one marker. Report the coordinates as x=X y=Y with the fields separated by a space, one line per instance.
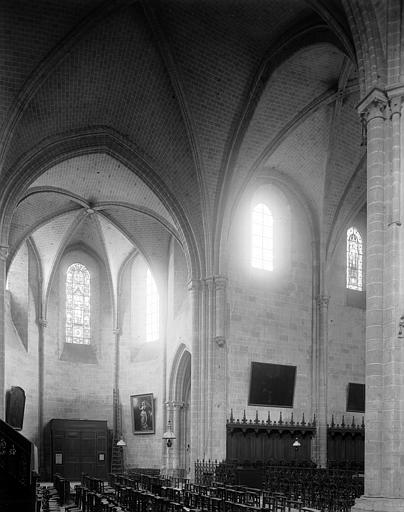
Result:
x=355 y=397
x=272 y=384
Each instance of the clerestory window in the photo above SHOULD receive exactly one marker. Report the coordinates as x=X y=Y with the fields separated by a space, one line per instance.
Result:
x=262 y=250
x=354 y=253
x=78 y=305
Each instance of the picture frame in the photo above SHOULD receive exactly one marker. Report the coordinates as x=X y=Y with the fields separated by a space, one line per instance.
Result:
x=272 y=385
x=142 y=410
x=15 y=407
x=355 y=401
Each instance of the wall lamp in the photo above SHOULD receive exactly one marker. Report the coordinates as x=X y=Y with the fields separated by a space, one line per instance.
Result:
x=296 y=445
x=169 y=436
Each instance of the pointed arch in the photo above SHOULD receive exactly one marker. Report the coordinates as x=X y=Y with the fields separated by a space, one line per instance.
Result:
x=180 y=377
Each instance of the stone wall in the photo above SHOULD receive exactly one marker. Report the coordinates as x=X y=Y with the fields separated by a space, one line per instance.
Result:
x=270 y=317
x=346 y=329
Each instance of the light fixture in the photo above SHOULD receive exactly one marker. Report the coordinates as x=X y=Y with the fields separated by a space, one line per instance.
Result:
x=169 y=435
x=121 y=442
x=296 y=445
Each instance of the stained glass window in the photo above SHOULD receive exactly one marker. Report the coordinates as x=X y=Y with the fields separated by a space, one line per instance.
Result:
x=152 y=308
x=78 y=305
x=353 y=259
x=262 y=252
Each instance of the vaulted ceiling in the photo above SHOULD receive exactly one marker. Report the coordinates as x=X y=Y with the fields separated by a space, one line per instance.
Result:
x=145 y=120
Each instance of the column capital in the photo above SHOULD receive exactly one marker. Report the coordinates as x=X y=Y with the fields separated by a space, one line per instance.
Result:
x=220 y=282
x=42 y=322
x=396 y=97
x=173 y=404
x=3 y=252
x=177 y=404
x=373 y=105
x=323 y=300
x=220 y=341
x=208 y=281
x=194 y=285
x=116 y=331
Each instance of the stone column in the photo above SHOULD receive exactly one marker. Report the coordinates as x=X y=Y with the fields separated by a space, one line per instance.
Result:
x=3 y=260
x=218 y=362
x=169 y=451
x=178 y=431
x=208 y=368
x=322 y=381
x=116 y=404
x=393 y=289
x=204 y=329
x=194 y=292
x=384 y=450
x=42 y=324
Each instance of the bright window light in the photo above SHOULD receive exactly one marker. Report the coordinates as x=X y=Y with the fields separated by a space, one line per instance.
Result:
x=262 y=251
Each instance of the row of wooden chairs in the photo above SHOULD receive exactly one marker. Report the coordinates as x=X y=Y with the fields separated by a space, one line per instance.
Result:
x=124 y=494
x=162 y=497
x=326 y=491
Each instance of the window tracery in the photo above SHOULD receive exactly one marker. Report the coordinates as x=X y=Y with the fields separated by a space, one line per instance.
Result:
x=354 y=253
x=78 y=305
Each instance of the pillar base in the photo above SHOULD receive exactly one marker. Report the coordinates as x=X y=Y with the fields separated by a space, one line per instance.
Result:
x=376 y=504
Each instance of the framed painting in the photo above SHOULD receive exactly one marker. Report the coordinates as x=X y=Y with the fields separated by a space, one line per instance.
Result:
x=15 y=406
x=272 y=385
x=142 y=407
x=355 y=397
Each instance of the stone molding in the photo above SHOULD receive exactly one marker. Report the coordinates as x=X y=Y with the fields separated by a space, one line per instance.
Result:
x=3 y=252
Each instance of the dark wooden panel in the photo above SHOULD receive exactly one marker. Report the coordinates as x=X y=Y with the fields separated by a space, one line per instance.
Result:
x=267 y=446
x=346 y=449
x=101 y=454
x=72 y=455
x=79 y=446
x=88 y=452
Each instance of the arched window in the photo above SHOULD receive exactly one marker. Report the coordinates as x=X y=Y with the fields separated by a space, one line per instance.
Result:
x=262 y=251
x=78 y=305
x=152 y=308
x=353 y=259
